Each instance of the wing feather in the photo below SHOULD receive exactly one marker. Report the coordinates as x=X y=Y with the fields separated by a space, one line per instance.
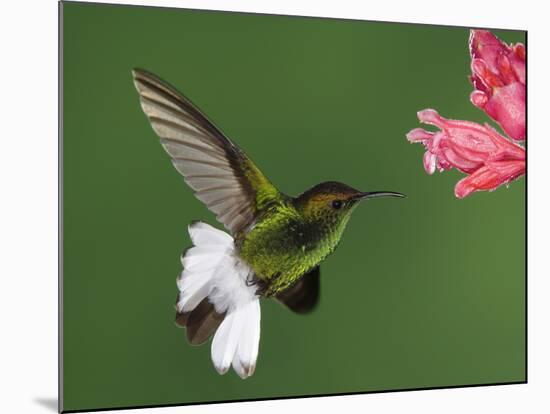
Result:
x=218 y=171
x=303 y=296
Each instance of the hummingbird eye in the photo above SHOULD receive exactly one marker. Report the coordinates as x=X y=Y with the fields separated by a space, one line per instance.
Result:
x=336 y=204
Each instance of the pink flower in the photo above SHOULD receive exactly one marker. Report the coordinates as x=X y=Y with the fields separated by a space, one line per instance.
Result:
x=488 y=158
x=498 y=76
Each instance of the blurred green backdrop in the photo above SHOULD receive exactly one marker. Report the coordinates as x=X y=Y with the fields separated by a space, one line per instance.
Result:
x=422 y=292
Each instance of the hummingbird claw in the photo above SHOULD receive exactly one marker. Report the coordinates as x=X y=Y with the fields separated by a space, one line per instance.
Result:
x=251 y=281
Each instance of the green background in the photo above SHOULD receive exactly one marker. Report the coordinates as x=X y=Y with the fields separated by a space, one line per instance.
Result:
x=426 y=291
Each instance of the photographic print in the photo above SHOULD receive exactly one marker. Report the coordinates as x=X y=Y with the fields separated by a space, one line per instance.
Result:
x=263 y=206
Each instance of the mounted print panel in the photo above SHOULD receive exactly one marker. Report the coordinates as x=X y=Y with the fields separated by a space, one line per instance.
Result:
x=262 y=206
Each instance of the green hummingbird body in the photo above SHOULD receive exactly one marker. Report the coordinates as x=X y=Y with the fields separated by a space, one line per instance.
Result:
x=286 y=242
x=275 y=242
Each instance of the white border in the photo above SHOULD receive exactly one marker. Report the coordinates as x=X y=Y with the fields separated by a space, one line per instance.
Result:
x=28 y=204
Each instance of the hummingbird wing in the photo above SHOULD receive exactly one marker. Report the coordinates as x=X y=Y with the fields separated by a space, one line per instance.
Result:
x=303 y=296
x=218 y=171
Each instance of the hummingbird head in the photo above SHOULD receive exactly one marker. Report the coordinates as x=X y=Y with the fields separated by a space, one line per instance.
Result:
x=331 y=203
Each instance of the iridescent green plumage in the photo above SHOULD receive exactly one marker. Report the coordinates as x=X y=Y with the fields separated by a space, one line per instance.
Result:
x=280 y=237
x=295 y=234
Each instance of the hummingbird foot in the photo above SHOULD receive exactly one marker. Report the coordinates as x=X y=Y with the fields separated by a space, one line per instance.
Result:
x=261 y=285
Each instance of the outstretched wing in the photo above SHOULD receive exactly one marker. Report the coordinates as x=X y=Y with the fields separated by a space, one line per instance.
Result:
x=218 y=171
x=303 y=296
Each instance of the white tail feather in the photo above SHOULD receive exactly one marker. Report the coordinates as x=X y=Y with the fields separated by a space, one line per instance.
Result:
x=213 y=270
x=244 y=360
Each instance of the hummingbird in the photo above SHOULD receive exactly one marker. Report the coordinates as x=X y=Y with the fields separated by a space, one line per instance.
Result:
x=275 y=242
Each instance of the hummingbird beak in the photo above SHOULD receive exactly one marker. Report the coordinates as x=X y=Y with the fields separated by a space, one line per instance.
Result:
x=376 y=194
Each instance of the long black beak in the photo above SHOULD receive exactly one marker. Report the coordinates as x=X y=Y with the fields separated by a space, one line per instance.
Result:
x=376 y=194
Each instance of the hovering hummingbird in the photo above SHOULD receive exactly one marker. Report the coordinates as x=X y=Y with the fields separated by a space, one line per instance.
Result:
x=276 y=242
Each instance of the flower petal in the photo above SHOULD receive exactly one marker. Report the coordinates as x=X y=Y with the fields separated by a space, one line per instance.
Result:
x=507 y=107
x=419 y=135
x=490 y=177
x=498 y=76
x=429 y=161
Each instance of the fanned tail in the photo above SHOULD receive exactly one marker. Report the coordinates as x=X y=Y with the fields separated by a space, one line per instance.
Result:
x=215 y=297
